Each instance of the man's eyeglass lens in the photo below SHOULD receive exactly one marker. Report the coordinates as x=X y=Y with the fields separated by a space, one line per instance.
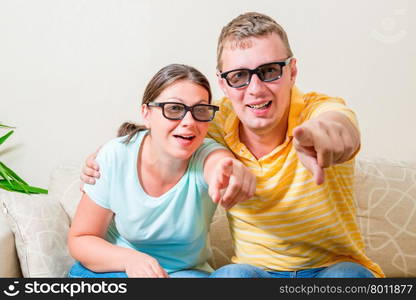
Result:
x=267 y=72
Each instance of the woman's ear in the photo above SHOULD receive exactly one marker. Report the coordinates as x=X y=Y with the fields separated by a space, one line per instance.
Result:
x=145 y=115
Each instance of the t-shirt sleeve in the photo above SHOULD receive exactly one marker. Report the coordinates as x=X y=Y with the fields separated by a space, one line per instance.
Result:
x=216 y=126
x=332 y=104
x=198 y=159
x=100 y=191
x=324 y=104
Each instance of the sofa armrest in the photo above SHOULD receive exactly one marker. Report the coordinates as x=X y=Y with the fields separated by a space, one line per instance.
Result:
x=9 y=264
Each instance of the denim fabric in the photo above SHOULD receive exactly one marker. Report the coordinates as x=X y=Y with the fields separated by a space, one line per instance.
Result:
x=189 y=274
x=79 y=271
x=339 y=270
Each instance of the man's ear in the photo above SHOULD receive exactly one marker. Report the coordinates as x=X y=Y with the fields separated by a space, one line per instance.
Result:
x=293 y=70
x=222 y=83
x=145 y=115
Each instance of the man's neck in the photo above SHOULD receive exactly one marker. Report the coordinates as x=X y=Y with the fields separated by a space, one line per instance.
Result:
x=262 y=143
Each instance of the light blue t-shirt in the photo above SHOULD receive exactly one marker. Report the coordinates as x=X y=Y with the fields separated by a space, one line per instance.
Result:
x=172 y=228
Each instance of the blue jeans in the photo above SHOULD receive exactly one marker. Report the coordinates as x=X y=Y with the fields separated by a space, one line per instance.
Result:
x=339 y=270
x=79 y=271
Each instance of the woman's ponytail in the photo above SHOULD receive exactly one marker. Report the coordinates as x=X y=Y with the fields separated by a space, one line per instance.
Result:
x=129 y=129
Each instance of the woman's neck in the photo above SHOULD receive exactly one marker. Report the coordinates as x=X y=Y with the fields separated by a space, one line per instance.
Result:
x=158 y=172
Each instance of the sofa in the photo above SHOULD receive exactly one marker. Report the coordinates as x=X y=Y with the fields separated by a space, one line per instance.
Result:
x=33 y=228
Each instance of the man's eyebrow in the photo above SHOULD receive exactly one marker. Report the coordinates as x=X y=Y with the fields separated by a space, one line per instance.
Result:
x=245 y=68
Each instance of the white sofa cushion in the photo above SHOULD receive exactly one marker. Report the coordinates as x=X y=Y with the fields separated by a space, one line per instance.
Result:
x=386 y=211
x=64 y=185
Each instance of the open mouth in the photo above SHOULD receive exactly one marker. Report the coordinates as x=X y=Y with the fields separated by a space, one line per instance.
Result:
x=185 y=137
x=261 y=106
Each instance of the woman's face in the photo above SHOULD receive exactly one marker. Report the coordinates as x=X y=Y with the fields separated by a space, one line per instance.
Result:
x=177 y=138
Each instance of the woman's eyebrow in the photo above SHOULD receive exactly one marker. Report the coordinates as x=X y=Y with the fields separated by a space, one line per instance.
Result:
x=181 y=100
x=175 y=98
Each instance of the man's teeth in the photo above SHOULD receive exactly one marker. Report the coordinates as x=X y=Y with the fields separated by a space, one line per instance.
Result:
x=260 y=106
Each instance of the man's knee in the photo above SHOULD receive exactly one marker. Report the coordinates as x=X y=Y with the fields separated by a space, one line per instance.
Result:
x=346 y=270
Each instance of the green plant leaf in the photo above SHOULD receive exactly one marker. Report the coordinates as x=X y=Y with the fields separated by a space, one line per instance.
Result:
x=11 y=181
x=12 y=174
x=6 y=126
x=4 y=185
x=5 y=137
x=14 y=186
x=20 y=186
x=4 y=174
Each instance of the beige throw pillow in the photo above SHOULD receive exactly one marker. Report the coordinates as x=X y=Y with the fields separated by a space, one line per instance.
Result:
x=40 y=227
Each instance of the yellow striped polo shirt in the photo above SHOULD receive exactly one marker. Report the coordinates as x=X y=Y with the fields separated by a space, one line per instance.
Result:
x=291 y=223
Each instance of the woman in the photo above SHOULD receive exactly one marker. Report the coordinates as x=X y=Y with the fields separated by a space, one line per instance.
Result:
x=149 y=213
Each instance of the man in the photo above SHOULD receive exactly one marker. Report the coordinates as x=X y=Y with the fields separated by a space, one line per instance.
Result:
x=301 y=221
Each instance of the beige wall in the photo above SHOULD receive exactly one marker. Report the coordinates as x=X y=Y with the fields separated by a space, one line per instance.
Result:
x=72 y=71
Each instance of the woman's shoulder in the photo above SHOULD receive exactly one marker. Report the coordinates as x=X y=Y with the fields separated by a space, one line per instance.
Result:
x=114 y=144
x=208 y=145
x=209 y=142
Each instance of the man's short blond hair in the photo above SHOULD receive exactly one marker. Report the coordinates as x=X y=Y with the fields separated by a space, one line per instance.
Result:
x=249 y=25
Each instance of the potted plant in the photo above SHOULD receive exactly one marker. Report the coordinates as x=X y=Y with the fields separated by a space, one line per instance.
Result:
x=9 y=180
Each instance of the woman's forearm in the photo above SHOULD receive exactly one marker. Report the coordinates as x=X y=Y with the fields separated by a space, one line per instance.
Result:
x=98 y=255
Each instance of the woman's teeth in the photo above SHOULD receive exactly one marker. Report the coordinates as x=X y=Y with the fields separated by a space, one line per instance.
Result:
x=190 y=137
x=260 y=106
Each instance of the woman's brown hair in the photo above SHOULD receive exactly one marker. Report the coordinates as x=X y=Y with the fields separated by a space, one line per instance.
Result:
x=160 y=81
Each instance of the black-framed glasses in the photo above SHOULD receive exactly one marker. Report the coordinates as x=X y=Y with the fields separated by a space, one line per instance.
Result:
x=177 y=111
x=238 y=78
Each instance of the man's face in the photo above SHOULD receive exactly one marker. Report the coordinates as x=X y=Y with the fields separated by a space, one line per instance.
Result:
x=262 y=107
